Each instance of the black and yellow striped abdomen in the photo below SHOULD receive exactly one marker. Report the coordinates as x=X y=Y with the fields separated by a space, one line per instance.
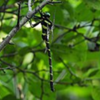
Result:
x=45 y=25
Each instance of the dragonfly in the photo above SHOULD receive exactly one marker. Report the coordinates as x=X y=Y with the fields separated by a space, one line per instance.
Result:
x=46 y=27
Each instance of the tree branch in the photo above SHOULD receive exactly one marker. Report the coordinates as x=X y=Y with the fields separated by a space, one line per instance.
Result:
x=23 y=21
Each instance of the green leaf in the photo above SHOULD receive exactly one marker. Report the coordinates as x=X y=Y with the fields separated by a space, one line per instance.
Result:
x=10 y=97
x=24 y=50
x=35 y=88
x=3 y=91
x=95 y=4
x=83 y=13
x=91 y=72
x=96 y=93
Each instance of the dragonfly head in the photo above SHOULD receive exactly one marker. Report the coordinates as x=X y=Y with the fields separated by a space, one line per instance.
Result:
x=47 y=15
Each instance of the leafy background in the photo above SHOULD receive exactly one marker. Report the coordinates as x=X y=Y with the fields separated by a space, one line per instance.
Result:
x=24 y=69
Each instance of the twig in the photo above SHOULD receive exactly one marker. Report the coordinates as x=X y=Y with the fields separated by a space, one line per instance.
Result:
x=29 y=5
x=19 y=8
x=71 y=72
x=2 y=17
x=60 y=36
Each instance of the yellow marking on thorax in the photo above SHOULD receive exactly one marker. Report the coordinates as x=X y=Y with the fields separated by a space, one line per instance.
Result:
x=44 y=26
x=47 y=22
x=51 y=74
x=44 y=34
x=48 y=49
x=49 y=57
x=51 y=80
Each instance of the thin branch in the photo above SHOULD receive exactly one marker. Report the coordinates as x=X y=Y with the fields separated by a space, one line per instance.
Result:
x=2 y=17
x=71 y=72
x=9 y=55
x=60 y=36
x=19 y=8
x=29 y=5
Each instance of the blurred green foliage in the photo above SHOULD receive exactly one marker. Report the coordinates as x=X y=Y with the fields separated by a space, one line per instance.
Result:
x=75 y=47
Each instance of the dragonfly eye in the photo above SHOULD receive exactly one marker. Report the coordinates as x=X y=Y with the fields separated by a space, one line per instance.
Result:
x=47 y=14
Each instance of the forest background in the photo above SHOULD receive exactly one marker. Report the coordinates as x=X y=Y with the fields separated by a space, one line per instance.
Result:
x=74 y=43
